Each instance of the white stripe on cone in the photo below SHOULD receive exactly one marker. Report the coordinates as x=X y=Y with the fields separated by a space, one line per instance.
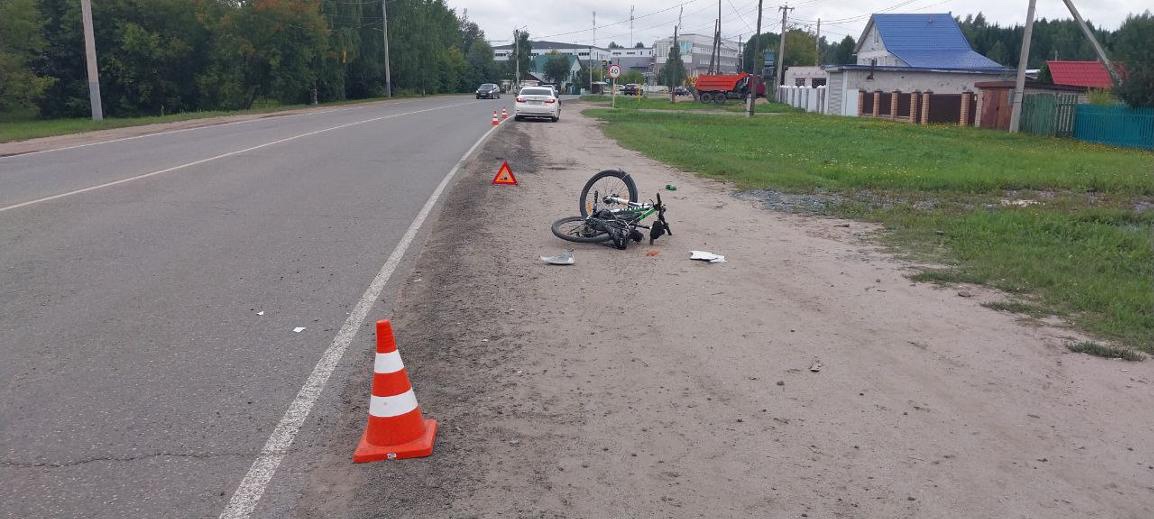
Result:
x=390 y=406
x=388 y=363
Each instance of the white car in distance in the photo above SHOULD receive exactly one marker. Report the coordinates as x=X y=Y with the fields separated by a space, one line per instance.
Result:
x=537 y=102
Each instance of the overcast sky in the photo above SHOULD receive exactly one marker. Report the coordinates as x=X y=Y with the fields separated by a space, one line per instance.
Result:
x=572 y=20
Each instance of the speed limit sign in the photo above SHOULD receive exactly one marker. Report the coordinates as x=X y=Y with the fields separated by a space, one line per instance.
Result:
x=614 y=71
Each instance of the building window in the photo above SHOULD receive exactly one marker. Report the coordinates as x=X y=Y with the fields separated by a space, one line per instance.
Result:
x=818 y=81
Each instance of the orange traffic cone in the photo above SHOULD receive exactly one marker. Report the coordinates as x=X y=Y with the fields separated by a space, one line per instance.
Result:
x=504 y=114
x=396 y=428
x=495 y=121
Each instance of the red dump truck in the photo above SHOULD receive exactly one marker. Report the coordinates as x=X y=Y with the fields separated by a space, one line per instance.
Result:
x=719 y=87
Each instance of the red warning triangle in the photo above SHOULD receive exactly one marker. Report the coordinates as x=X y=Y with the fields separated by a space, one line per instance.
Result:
x=505 y=176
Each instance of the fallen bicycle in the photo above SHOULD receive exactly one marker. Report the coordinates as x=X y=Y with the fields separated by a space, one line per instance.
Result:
x=609 y=213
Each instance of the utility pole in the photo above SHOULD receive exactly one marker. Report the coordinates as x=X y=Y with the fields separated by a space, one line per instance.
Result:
x=516 y=62
x=1020 y=83
x=631 y=26
x=1094 y=41
x=758 y=65
x=388 y=68
x=590 y=58
x=673 y=80
x=90 y=57
x=817 y=46
x=780 y=80
x=717 y=45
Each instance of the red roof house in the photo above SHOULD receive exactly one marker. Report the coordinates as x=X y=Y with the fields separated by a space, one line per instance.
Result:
x=1089 y=74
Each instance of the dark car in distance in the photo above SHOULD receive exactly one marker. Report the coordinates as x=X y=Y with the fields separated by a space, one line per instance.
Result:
x=632 y=89
x=681 y=91
x=489 y=91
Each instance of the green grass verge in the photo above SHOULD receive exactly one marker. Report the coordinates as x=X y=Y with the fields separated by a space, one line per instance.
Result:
x=21 y=130
x=1084 y=251
x=1109 y=352
x=658 y=102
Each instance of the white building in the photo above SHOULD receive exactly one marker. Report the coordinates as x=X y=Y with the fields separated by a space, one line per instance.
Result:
x=812 y=77
x=695 y=51
x=540 y=48
x=646 y=52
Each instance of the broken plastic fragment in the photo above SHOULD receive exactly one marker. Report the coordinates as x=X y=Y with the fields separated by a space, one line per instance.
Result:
x=701 y=255
x=565 y=258
x=298 y=329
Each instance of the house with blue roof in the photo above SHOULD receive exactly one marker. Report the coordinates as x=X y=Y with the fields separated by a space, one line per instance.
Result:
x=919 y=41
x=906 y=53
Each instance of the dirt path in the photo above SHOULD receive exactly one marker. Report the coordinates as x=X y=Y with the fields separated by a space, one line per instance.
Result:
x=631 y=385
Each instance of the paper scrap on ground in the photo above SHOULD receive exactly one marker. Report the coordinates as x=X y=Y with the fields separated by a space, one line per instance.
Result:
x=298 y=329
x=565 y=258
x=706 y=256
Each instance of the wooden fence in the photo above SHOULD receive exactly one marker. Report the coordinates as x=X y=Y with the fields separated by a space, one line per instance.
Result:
x=1049 y=114
x=1115 y=125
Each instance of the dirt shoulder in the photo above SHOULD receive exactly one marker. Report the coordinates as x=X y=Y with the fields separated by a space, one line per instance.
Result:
x=631 y=385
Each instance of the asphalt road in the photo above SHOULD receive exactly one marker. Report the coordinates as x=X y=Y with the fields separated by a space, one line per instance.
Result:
x=136 y=377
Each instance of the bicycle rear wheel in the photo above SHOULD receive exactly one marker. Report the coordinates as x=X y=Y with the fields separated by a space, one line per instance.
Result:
x=608 y=183
x=574 y=229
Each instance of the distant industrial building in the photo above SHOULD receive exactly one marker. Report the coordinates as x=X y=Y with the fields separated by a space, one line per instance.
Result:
x=541 y=48
x=695 y=53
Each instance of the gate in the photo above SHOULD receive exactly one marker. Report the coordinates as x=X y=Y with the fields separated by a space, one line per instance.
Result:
x=1051 y=115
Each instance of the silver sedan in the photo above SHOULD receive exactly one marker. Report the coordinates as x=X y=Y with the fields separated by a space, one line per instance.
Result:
x=537 y=102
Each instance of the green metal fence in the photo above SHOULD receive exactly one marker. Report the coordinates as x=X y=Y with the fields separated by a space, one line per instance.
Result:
x=1049 y=114
x=1115 y=125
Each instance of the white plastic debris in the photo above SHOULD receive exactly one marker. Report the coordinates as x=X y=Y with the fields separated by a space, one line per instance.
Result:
x=298 y=329
x=260 y=312
x=565 y=258
x=701 y=255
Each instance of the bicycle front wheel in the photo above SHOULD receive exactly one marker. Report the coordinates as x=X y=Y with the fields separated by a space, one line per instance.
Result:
x=606 y=184
x=575 y=229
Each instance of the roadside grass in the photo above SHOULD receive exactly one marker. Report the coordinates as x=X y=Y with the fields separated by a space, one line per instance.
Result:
x=1081 y=244
x=661 y=102
x=24 y=129
x=1109 y=352
x=1017 y=307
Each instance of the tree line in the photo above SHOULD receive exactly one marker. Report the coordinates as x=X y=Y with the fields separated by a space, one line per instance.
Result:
x=165 y=56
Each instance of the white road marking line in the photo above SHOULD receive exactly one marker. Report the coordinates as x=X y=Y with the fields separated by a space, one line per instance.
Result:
x=182 y=130
x=221 y=156
x=252 y=487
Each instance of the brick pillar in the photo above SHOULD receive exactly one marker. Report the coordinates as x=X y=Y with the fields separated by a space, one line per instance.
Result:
x=860 y=101
x=926 y=106
x=877 y=102
x=965 y=117
x=894 y=103
x=914 y=106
